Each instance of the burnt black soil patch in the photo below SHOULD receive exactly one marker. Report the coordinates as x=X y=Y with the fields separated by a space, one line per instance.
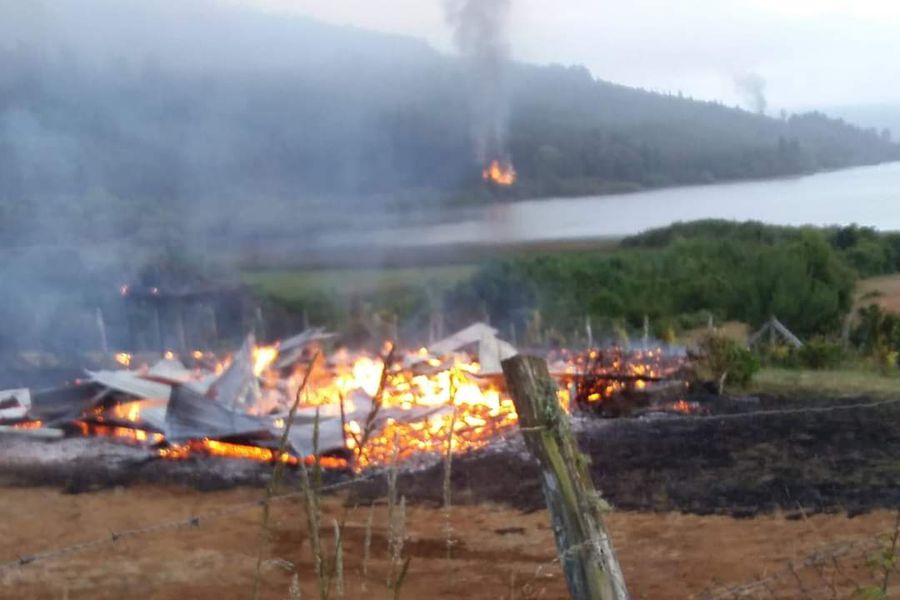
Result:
x=735 y=461
x=846 y=459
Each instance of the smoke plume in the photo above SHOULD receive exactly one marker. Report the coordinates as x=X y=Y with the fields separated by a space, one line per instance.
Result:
x=480 y=35
x=753 y=89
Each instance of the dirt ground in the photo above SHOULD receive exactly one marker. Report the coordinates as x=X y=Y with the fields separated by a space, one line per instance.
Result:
x=499 y=553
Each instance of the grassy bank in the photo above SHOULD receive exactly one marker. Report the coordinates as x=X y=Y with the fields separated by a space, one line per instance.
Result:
x=288 y=285
x=844 y=382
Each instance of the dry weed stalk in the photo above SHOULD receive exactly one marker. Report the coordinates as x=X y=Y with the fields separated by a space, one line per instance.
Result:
x=294 y=591
x=339 y=558
x=328 y=573
x=396 y=529
x=312 y=494
x=369 y=426
x=367 y=545
x=276 y=476
x=889 y=559
x=448 y=468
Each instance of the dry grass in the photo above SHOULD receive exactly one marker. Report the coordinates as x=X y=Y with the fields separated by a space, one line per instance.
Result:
x=884 y=291
x=734 y=330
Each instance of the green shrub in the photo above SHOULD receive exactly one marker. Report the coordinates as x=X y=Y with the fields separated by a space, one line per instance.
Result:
x=724 y=361
x=777 y=355
x=820 y=353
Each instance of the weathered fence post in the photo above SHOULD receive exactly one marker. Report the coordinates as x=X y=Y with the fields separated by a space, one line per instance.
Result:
x=576 y=509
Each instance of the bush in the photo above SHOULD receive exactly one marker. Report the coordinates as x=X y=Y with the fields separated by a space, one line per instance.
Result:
x=778 y=355
x=820 y=354
x=722 y=360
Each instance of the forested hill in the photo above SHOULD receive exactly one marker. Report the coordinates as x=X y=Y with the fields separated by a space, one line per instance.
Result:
x=105 y=128
x=570 y=130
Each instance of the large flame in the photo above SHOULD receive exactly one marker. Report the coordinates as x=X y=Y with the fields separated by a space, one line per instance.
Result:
x=499 y=173
x=263 y=357
x=433 y=388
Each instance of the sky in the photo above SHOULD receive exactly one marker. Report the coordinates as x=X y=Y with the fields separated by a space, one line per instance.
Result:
x=810 y=53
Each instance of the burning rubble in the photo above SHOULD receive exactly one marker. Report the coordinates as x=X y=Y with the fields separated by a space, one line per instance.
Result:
x=353 y=408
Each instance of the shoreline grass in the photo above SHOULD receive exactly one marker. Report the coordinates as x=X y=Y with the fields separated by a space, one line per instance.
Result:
x=843 y=382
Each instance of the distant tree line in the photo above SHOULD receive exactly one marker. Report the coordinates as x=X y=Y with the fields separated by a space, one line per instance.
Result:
x=682 y=275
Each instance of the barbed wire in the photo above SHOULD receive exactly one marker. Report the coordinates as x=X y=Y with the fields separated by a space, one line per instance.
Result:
x=504 y=434
x=790 y=411
x=193 y=521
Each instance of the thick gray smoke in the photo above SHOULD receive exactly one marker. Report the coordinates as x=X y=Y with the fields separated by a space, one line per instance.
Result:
x=480 y=35
x=159 y=136
x=752 y=88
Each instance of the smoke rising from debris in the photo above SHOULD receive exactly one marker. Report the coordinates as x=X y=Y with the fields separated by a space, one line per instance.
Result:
x=480 y=36
x=752 y=88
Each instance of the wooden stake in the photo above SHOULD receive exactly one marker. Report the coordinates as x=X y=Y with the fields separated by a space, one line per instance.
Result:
x=576 y=509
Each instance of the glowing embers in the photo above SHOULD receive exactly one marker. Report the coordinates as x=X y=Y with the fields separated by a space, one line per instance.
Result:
x=596 y=376
x=124 y=434
x=221 y=449
x=684 y=407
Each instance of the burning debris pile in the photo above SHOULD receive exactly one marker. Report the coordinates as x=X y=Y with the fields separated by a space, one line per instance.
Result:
x=353 y=408
x=597 y=380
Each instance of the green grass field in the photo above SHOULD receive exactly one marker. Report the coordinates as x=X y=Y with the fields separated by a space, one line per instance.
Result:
x=834 y=383
x=288 y=285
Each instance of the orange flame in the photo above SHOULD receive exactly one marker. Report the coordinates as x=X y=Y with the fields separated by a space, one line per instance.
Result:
x=418 y=400
x=263 y=357
x=499 y=173
x=255 y=453
x=126 y=434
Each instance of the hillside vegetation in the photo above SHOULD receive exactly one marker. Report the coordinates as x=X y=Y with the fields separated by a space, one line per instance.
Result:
x=682 y=275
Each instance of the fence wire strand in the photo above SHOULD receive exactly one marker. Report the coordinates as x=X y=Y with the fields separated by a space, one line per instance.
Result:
x=776 y=412
x=816 y=558
x=194 y=521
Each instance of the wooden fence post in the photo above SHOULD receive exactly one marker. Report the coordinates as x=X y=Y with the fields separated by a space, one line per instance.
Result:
x=576 y=509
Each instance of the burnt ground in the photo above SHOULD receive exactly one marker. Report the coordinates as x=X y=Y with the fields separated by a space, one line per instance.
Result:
x=840 y=459
x=734 y=462
x=737 y=463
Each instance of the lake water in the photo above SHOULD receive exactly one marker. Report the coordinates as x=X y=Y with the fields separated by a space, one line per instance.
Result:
x=866 y=195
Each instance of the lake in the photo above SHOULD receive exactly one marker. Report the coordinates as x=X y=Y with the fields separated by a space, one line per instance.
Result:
x=865 y=195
